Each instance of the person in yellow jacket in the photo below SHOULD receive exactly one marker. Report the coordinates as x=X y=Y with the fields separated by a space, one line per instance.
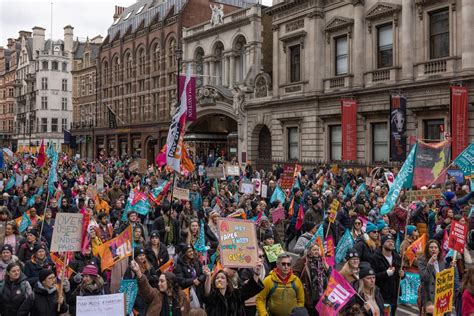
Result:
x=101 y=203
x=283 y=291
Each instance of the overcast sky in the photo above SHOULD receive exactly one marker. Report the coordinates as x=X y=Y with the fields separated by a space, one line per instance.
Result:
x=88 y=17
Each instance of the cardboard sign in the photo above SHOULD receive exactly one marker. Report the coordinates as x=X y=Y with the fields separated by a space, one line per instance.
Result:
x=273 y=252
x=100 y=182
x=278 y=215
x=333 y=211
x=133 y=166
x=237 y=243
x=457 y=236
x=67 y=233
x=288 y=177
x=215 y=173
x=91 y=192
x=264 y=191
x=100 y=305
x=246 y=188
x=233 y=171
x=142 y=166
x=257 y=184
x=418 y=195
x=444 y=292
x=180 y=193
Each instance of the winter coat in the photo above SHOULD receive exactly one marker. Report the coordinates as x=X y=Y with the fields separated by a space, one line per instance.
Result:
x=154 y=298
x=311 y=295
x=157 y=261
x=314 y=215
x=33 y=268
x=160 y=225
x=284 y=298
x=366 y=253
x=356 y=300
x=80 y=261
x=47 y=230
x=14 y=294
x=232 y=304
x=26 y=250
x=45 y=303
x=184 y=272
x=301 y=243
x=78 y=289
x=428 y=279
x=388 y=285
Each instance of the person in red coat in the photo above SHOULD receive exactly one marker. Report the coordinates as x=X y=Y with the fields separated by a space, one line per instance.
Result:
x=467 y=288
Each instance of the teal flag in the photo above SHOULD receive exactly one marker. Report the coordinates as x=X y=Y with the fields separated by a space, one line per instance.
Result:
x=319 y=232
x=361 y=187
x=348 y=190
x=345 y=243
x=404 y=179
x=25 y=222
x=398 y=243
x=200 y=244
x=31 y=201
x=278 y=195
x=11 y=182
x=465 y=160
x=130 y=288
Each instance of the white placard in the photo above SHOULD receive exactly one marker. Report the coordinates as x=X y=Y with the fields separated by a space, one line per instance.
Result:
x=264 y=191
x=257 y=184
x=246 y=188
x=100 y=182
x=233 y=170
x=100 y=305
x=181 y=194
x=67 y=233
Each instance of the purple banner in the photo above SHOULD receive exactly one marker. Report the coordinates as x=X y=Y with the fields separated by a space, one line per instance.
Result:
x=191 y=101
x=398 y=128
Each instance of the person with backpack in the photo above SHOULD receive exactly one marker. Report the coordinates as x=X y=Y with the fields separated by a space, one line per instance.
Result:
x=282 y=291
x=15 y=290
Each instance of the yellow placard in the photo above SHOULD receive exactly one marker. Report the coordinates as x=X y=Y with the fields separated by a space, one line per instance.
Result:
x=444 y=292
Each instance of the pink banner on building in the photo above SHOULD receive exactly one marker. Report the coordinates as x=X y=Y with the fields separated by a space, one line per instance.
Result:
x=459 y=120
x=349 y=129
x=191 y=115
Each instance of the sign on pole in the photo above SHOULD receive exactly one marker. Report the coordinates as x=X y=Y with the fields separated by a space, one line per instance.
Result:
x=457 y=236
x=418 y=195
x=100 y=305
x=444 y=292
x=237 y=243
x=181 y=194
x=67 y=233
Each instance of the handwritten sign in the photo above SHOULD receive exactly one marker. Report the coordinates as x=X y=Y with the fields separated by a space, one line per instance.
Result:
x=287 y=177
x=100 y=182
x=67 y=232
x=457 y=236
x=237 y=243
x=264 y=193
x=444 y=292
x=100 y=305
x=418 y=195
x=257 y=184
x=333 y=210
x=273 y=252
x=133 y=166
x=246 y=187
x=215 y=172
x=91 y=192
x=181 y=194
x=142 y=166
x=233 y=170
x=278 y=215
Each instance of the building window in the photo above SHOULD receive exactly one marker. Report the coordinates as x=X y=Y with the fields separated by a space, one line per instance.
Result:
x=128 y=65
x=341 y=55
x=385 y=46
x=439 y=34
x=116 y=66
x=54 y=65
x=379 y=142
x=295 y=60
x=64 y=124
x=64 y=66
x=54 y=125
x=141 y=62
x=44 y=125
x=44 y=83
x=218 y=54
x=335 y=142
x=44 y=103
x=293 y=143
x=433 y=130
x=105 y=72
x=64 y=84
x=45 y=65
x=156 y=57
x=64 y=104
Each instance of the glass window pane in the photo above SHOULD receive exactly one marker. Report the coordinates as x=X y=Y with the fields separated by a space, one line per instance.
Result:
x=293 y=143
x=380 y=142
x=336 y=142
x=341 y=46
x=385 y=35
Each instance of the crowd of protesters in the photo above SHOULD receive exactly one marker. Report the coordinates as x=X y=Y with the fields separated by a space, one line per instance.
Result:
x=291 y=285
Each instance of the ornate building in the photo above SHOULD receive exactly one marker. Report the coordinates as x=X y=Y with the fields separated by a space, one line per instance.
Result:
x=327 y=50
x=136 y=74
x=8 y=59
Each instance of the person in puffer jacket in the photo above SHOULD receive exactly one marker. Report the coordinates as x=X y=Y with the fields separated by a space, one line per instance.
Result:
x=15 y=290
x=282 y=291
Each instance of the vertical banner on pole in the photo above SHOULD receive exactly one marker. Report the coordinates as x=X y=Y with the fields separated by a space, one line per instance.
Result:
x=459 y=120
x=191 y=97
x=349 y=129
x=398 y=128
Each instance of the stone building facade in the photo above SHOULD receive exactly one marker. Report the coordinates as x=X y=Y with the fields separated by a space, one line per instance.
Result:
x=326 y=50
x=8 y=59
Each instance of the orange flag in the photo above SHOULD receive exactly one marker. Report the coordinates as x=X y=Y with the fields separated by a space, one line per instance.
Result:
x=167 y=267
x=116 y=249
x=291 y=210
x=415 y=249
x=186 y=162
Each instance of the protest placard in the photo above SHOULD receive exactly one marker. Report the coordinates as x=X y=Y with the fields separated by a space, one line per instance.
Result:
x=333 y=210
x=142 y=166
x=232 y=170
x=457 y=174
x=181 y=194
x=278 y=215
x=444 y=292
x=246 y=188
x=100 y=182
x=133 y=166
x=418 y=195
x=273 y=252
x=67 y=233
x=257 y=184
x=129 y=287
x=101 y=305
x=237 y=243
x=215 y=172
x=91 y=192
x=116 y=249
x=287 y=177
x=337 y=293
x=457 y=236
x=264 y=192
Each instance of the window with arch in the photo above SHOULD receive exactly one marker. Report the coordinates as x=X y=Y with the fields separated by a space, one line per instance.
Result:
x=155 y=55
x=141 y=61
x=105 y=71
x=239 y=50
x=171 y=52
x=198 y=58
x=128 y=61
x=218 y=54
x=116 y=63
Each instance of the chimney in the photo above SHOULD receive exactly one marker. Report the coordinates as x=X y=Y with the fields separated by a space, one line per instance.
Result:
x=24 y=34
x=118 y=12
x=68 y=38
x=97 y=39
x=38 y=40
x=11 y=43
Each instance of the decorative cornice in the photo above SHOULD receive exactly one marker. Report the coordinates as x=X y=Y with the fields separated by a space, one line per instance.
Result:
x=317 y=13
x=422 y=4
x=292 y=38
x=358 y=2
x=382 y=10
x=337 y=23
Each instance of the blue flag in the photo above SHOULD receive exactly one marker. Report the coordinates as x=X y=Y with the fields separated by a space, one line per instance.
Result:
x=398 y=243
x=361 y=187
x=345 y=243
x=278 y=195
x=348 y=190
x=200 y=244
x=130 y=288
x=404 y=179
x=2 y=163
x=465 y=160
x=31 y=201
x=25 y=222
x=319 y=232
x=11 y=182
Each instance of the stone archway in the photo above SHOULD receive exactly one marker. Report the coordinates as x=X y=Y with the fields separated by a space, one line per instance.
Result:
x=151 y=149
x=261 y=147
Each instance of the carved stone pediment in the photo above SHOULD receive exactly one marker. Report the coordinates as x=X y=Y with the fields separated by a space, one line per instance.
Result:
x=338 y=23
x=209 y=95
x=263 y=85
x=381 y=10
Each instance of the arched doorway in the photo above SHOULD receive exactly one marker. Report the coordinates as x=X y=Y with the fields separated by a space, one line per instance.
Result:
x=213 y=135
x=151 y=150
x=264 y=157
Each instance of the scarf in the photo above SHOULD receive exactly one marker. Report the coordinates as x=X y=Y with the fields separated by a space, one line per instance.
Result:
x=283 y=280
x=316 y=274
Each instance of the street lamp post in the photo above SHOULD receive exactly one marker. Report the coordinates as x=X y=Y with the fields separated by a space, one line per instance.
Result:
x=179 y=57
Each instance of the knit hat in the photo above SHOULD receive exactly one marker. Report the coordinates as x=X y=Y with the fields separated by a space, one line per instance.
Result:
x=38 y=247
x=154 y=234
x=33 y=232
x=385 y=238
x=90 y=270
x=138 y=251
x=43 y=274
x=371 y=227
x=365 y=271
x=268 y=234
x=185 y=248
x=309 y=226
x=7 y=247
x=351 y=253
x=381 y=224
x=449 y=195
x=410 y=229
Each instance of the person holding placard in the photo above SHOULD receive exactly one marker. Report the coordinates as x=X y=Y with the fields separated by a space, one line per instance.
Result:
x=86 y=283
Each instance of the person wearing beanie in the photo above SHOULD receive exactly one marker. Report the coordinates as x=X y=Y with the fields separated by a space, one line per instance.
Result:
x=26 y=249
x=387 y=264
x=87 y=282
x=156 y=251
x=38 y=262
x=188 y=270
x=382 y=228
x=300 y=246
x=350 y=269
x=168 y=227
x=367 y=245
x=264 y=228
x=315 y=213
x=82 y=259
x=411 y=236
x=46 y=298
x=6 y=258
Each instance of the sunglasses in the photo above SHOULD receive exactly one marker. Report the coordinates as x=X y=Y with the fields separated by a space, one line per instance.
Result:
x=356 y=223
x=260 y=256
x=287 y=264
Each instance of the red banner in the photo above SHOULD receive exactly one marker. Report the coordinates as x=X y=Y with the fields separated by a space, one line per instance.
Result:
x=191 y=95
x=457 y=236
x=349 y=129
x=459 y=119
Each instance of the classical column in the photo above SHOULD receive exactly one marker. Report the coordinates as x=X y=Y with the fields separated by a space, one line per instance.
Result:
x=212 y=78
x=358 y=43
x=467 y=11
x=206 y=73
x=129 y=144
x=232 y=70
x=225 y=64
x=407 y=41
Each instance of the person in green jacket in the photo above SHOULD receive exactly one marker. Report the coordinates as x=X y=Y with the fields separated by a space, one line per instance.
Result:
x=283 y=291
